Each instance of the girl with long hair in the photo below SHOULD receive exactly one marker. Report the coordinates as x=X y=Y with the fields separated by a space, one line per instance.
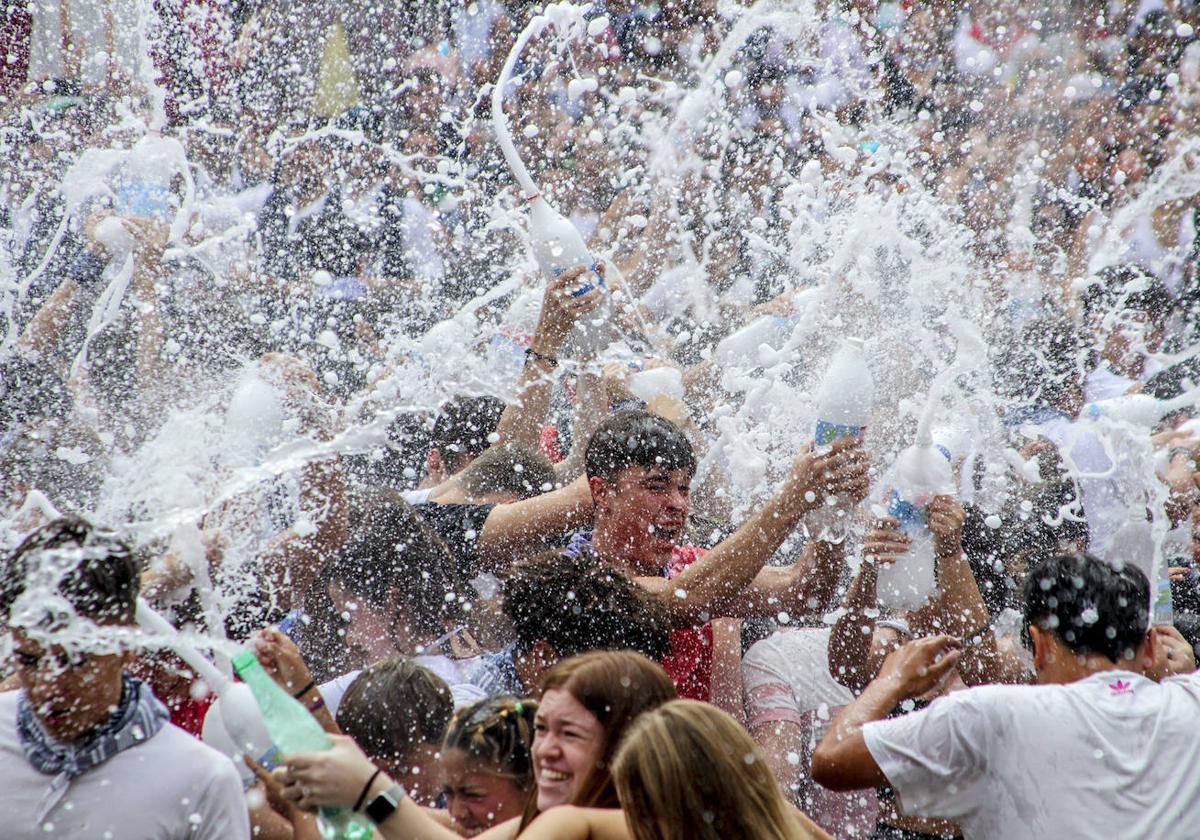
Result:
x=685 y=771
x=587 y=703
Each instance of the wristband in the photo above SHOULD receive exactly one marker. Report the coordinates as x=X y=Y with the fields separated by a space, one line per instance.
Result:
x=533 y=355
x=317 y=704
x=367 y=787
x=311 y=685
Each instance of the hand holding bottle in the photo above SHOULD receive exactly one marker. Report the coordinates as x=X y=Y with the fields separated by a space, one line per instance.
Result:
x=281 y=659
x=946 y=517
x=568 y=297
x=884 y=542
x=842 y=471
x=330 y=778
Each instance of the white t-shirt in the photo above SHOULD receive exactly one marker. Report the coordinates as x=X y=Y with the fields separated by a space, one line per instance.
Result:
x=167 y=788
x=1113 y=755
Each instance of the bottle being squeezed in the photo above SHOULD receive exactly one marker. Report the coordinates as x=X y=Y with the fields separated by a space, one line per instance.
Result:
x=922 y=471
x=294 y=730
x=557 y=245
x=844 y=404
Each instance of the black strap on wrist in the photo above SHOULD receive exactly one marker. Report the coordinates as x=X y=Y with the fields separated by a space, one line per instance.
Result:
x=535 y=356
x=311 y=685
x=362 y=797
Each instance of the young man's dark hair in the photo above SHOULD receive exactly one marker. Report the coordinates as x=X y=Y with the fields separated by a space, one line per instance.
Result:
x=1090 y=605
x=391 y=560
x=637 y=439
x=94 y=569
x=1042 y=365
x=509 y=469
x=393 y=707
x=577 y=604
x=462 y=429
x=1127 y=288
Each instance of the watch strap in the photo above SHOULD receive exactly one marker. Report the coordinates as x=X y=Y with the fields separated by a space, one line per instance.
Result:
x=385 y=803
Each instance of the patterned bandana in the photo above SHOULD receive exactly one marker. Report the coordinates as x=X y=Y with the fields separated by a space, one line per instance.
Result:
x=139 y=718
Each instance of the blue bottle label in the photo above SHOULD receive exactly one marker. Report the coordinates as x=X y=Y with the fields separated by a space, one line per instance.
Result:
x=913 y=514
x=828 y=432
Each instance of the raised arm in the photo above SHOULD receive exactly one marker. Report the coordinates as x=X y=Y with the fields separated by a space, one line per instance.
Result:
x=514 y=530
x=842 y=761
x=521 y=422
x=715 y=584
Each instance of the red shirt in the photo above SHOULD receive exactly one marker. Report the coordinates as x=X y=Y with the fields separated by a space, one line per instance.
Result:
x=690 y=662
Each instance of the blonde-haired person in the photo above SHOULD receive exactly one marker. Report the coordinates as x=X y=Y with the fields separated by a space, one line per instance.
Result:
x=685 y=771
x=587 y=704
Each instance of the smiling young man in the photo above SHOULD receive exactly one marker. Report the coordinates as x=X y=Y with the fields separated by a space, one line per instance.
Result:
x=1096 y=750
x=86 y=750
x=639 y=469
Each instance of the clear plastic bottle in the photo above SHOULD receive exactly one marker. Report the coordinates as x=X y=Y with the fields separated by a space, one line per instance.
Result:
x=922 y=471
x=234 y=725
x=1138 y=409
x=844 y=403
x=557 y=245
x=295 y=730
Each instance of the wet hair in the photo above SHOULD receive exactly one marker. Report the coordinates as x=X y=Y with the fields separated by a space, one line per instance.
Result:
x=390 y=551
x=94 y=569
x=497 y=732
x=1092 y=606
x=1127 y=288
x=578 y=604
x=508 y=469
x=637 y=439
x=463 y=426
x=394 y=706
x=615 y=687
x=1040 y=363
x=688 y=771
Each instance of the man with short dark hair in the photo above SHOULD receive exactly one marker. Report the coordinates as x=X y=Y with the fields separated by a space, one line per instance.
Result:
x=1096 y=750
x=88 y=751
x=639 y=468
x=560 y=606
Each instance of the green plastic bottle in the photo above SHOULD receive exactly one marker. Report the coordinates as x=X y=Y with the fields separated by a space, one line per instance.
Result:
x=295 y=730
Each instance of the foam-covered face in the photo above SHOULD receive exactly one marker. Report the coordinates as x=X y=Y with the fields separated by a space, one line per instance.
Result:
x=566 y=747
x=71 y=694
x=478 y=796
x=645 y=510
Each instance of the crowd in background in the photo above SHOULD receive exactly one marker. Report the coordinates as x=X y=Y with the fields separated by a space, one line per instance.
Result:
x=503 y=586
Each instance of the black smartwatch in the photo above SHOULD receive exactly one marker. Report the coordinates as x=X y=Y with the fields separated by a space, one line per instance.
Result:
x=385 y=804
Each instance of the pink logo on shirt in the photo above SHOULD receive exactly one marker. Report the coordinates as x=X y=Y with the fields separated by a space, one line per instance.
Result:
x=1121 y=687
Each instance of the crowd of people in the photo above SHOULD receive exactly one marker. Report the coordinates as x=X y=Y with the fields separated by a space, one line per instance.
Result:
x=552 y=557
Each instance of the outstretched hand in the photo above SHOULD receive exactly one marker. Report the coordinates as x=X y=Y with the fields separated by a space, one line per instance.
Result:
x=915 y=668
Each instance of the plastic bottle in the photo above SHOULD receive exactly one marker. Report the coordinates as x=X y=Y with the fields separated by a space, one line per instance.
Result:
x=736 y=347
x=557 y=245
x=846 y=396
x=1138 y=409
x=294 y=730
x=921 y=472
x=233 y=723
x=844 y=403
